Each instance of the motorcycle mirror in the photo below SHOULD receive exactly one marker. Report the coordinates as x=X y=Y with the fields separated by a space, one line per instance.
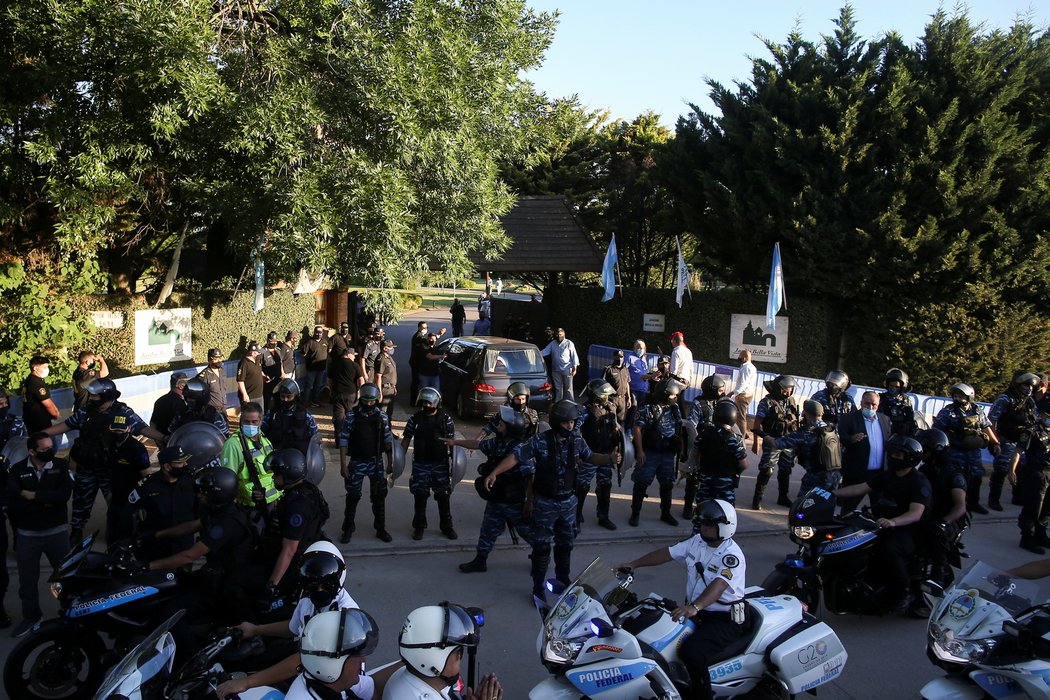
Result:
x=554 y=586
x=1013 y=628
x=601 y=628
x=932 y=588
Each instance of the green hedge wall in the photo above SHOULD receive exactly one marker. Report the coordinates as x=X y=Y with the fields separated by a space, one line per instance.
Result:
x=220 y=319
x=704 y=319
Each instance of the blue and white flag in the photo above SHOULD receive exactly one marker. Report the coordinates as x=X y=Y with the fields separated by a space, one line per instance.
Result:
x=683 y=276
x=260 y=285
x=777 y=298
x=609 y=270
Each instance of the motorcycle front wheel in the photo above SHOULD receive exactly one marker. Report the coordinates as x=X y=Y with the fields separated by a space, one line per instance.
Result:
x=55 y=662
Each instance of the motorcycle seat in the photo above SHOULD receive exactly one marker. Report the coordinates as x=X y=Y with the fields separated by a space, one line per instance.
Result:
x=750 y=627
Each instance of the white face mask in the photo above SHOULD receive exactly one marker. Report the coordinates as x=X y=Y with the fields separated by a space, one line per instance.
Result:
x=44 y=372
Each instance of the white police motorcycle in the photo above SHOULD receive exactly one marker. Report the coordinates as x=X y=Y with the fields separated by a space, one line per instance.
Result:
x=600 y=641
x=990 y=635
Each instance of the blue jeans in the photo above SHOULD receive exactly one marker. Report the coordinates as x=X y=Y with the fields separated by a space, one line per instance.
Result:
x=430 y=380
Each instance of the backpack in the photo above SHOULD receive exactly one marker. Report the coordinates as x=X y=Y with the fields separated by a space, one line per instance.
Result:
x=829 y=452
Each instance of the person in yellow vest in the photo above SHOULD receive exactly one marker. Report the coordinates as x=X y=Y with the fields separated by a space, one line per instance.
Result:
x=255 y=489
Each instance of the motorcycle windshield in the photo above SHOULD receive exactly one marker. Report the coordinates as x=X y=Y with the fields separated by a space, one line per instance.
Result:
x=1010 y=593
x=583 y=600
x=153 y=655
x=73 y=560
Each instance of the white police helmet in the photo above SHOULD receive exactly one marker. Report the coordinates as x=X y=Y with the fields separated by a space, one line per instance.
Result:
x=326 y=546
x=332 y=637
x=715 y=511
x=431 y=633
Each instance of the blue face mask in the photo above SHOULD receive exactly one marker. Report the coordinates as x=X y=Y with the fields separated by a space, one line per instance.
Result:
x=868 y=412
x=639 y=352
x=250 y=431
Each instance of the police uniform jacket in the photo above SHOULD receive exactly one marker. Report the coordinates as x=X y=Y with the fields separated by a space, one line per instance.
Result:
x=805 y=442
x=291 y=426
x=427 y=431
x=165 y=409
x=53 y=486
x=34 y=394
x=1011 y=415
x=215 y=379
x=161 y=504
x=834 y=406
x=101 y=434
x=386 y=371
x=660 y=428
x=719 y=451
x=960 y=424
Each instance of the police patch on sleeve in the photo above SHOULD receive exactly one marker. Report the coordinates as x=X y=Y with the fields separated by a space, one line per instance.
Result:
x=42 y=391
x=730 y=561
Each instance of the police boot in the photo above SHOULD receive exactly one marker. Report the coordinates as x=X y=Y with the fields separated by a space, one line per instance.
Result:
x=581 y=495
x=348 y=519
x=445 y=515
x=1041 y=537
x=692 y=483
x=1031 y=544
x=783 y=486
x=665 y=505
x=419 y=518
x=478 y=563
x=637 y=496
x=379 y=518
x=604 y=496
x=995 y=492
x=541 y=559
x=973 y=496
x=563 y=564
x=760 y=488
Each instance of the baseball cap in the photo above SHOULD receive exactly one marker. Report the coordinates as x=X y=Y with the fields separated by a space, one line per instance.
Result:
x=677 y=334
x=213 y=353
x=388 y=343
x=173 y=453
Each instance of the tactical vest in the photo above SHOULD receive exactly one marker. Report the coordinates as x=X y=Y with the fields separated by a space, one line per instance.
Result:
x=427 y=438
x=652 y=439
x=898 y=409
x=706 y=407
x=365 y=438
x=286 y=429
x=716 y=456
x=599 y=430
x=781 y=419
x=95 y=447
x=1038 y=452
x=316 y=510
x=1015 y=419
x=965 y=433
x=546 y=481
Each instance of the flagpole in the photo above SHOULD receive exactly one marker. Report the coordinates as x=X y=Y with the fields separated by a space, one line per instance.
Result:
x=619 y=277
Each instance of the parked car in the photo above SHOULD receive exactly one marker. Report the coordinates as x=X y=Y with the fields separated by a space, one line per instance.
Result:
x=478 y=370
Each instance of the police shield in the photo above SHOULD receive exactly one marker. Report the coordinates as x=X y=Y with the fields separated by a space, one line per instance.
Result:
x=542 y=427
x=627 y=450
x=14 y=451
x=200 y=439
x=690 y=434
x=315 y=465
x=458 y=465
x=397 y=459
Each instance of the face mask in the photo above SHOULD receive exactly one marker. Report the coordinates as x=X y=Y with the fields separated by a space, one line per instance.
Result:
x=430 y=410
x=44 y=372
x=317 y=336
x=3 y=412
x=564 y=432
x=250 y=431
x=320 y=599
x=94 y=406
x=389 y=351
x=897 y=464
x=46 y=455
x=639 y=352
x=961 y=403
x=1025 y=391
x=176 y=472
x=868 y=412
x=894 y=391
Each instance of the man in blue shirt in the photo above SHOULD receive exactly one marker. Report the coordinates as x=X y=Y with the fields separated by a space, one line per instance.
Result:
x=564 y=362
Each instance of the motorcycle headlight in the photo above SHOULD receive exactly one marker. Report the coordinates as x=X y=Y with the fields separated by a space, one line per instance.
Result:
x=947 y=648
x=561 y=651
x=803 y=533
x=56 y=589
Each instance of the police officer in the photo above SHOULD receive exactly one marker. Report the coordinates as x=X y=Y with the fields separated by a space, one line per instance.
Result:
x=165 y=500
x=805 y=443
x=946 y=517
x=715 y=568
x=214 y=378
x=834 y=397
x=1012 y=412
x=10 y=426
x=896 y=403
x=701 y=416
x=505 y=500
x=301 y=514
x=429 y=427
x=619 y=377
x=366 y=436
x=289 y=424
x=657 y=444
x=286 y=351
x=552 y=457
x=170 y=405
x=38 y=409
x=1032 y=477
x=244 y=453
x=385 y=377
x=900 y=497
x=518 y=395
x=720 y=453
x=344 y=381
x=600 y=428
x=332 y=653
x=107 y=441
x=777 y=415
x=372 y=349
x=270 y=361
x=250 y=381
x=969 y=432
x=315 y=358
x=90 y=366
x=196 y=408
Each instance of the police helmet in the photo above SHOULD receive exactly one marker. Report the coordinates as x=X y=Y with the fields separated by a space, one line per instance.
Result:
x=711 y=384
x=837 y=382
x=933 y=442
x=218 y=486
x=323 y=550
x=785 y=385
x=668 y=390
x=909 y=449
x=286 y=386
x=813 y=408
x=518 y=389
x=430 y=635
x=332 y=637
x=195 y=393
x=598 y=389
x=897 y=375
x=715 y=511
x=564 y=411
x=176 y=379
x=289 y=463
x=105 y=389
x=368 y=392
x=964 y=390
x=430 y=395
x=725 y=413
x=1026 y=382
x=321 y=575
x=515 y=422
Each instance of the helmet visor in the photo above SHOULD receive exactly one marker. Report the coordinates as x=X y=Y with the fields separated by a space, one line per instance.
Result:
x=358 y=635
x=460 y=627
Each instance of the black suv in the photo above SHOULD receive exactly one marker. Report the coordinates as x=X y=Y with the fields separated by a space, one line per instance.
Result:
x=478 y=370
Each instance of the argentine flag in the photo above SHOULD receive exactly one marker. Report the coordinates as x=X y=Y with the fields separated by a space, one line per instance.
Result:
x=609 y=270
x=777 y=299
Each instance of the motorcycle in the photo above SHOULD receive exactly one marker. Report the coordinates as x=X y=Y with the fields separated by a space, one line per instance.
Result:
x=990 y=637
x=600 y=641
x=835 y=557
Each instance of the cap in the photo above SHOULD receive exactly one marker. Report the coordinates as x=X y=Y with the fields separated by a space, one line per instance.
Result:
x=344 y=324
x=174 y=453
x=388 y=343
x=213 y=353
x=677 y=334
x=272 y=335
x=253 y=346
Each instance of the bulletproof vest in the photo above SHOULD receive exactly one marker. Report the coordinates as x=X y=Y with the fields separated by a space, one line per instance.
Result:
x=307 y=499
x=835 y=407
x=964 y=431
x=652 y=437
x=239 y=551
x=599 y=430
x=427 y=438
x=96 y=445
x=715 y=451
x=782 y=417
x=365 y=438
x=547 y=481
x=289 y=429
x=532 y=422
x=1019 y=415
x=1038 y=452
x=900 y=412
x=706 y=407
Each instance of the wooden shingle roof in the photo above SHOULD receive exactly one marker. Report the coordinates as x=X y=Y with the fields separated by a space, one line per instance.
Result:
x=545 y=236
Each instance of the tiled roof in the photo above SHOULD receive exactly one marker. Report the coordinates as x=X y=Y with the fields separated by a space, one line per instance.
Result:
x=545 y=236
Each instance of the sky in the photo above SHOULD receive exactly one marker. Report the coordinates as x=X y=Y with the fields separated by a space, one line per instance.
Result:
x=630 y=56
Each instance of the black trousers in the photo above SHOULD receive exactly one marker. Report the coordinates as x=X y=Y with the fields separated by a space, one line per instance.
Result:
x=1035 y=509
x=714 y=632
x=894 y=550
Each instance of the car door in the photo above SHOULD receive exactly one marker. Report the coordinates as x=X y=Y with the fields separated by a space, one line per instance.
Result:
x=453 y=368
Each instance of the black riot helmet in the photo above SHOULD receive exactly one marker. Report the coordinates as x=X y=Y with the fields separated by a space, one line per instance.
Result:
x=287 y=386
x=598 y=389
x=667 y=391
x=934 y=443
x=195 y=394
x=368 y=393
x=836 y=382
x=712 y=387
x=1024 y=383
x=430 y=395
x=289 y=463
x=896 y=375
x=518 y=389
x=725 y=413
x=564 y=411
x=515 y=421
x=782 y=386
x=903 y=452
x=217 y=485
x=104 y=389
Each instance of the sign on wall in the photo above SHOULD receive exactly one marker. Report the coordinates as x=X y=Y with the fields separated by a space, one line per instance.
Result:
x=653 y=323
x=162 y=335
x=749 y=333
x=108 y=319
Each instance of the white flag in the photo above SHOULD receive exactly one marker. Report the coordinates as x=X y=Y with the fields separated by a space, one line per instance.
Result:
x=683 y=276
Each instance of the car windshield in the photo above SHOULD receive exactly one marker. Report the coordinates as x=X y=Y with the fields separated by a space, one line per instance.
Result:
x=513 y=361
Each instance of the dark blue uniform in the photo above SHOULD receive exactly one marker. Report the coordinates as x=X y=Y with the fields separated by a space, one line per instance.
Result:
x=159 y=504
x=366 y=434
x=504 y=511
x=10 y=426
x=598 y=424
x=775 y=417
x=965 y=430
x=719 y=453
x=1011 y=416
x=805 y=444
x=834 y=406
x=898 y=408
x=431 y=470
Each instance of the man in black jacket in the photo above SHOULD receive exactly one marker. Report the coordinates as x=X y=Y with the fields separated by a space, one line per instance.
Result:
x=862 y=435
x=38 y=489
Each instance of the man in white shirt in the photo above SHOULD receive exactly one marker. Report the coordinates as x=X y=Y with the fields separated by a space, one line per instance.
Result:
x=681 y=358
x=744 y=391
x=564 y=362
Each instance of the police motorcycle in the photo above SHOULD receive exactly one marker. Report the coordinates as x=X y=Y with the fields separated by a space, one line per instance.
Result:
x=835 y=556
x=600 y=641
x=990 y=635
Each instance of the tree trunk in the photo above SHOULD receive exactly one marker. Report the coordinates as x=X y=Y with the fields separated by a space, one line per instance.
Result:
x=173 y=269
